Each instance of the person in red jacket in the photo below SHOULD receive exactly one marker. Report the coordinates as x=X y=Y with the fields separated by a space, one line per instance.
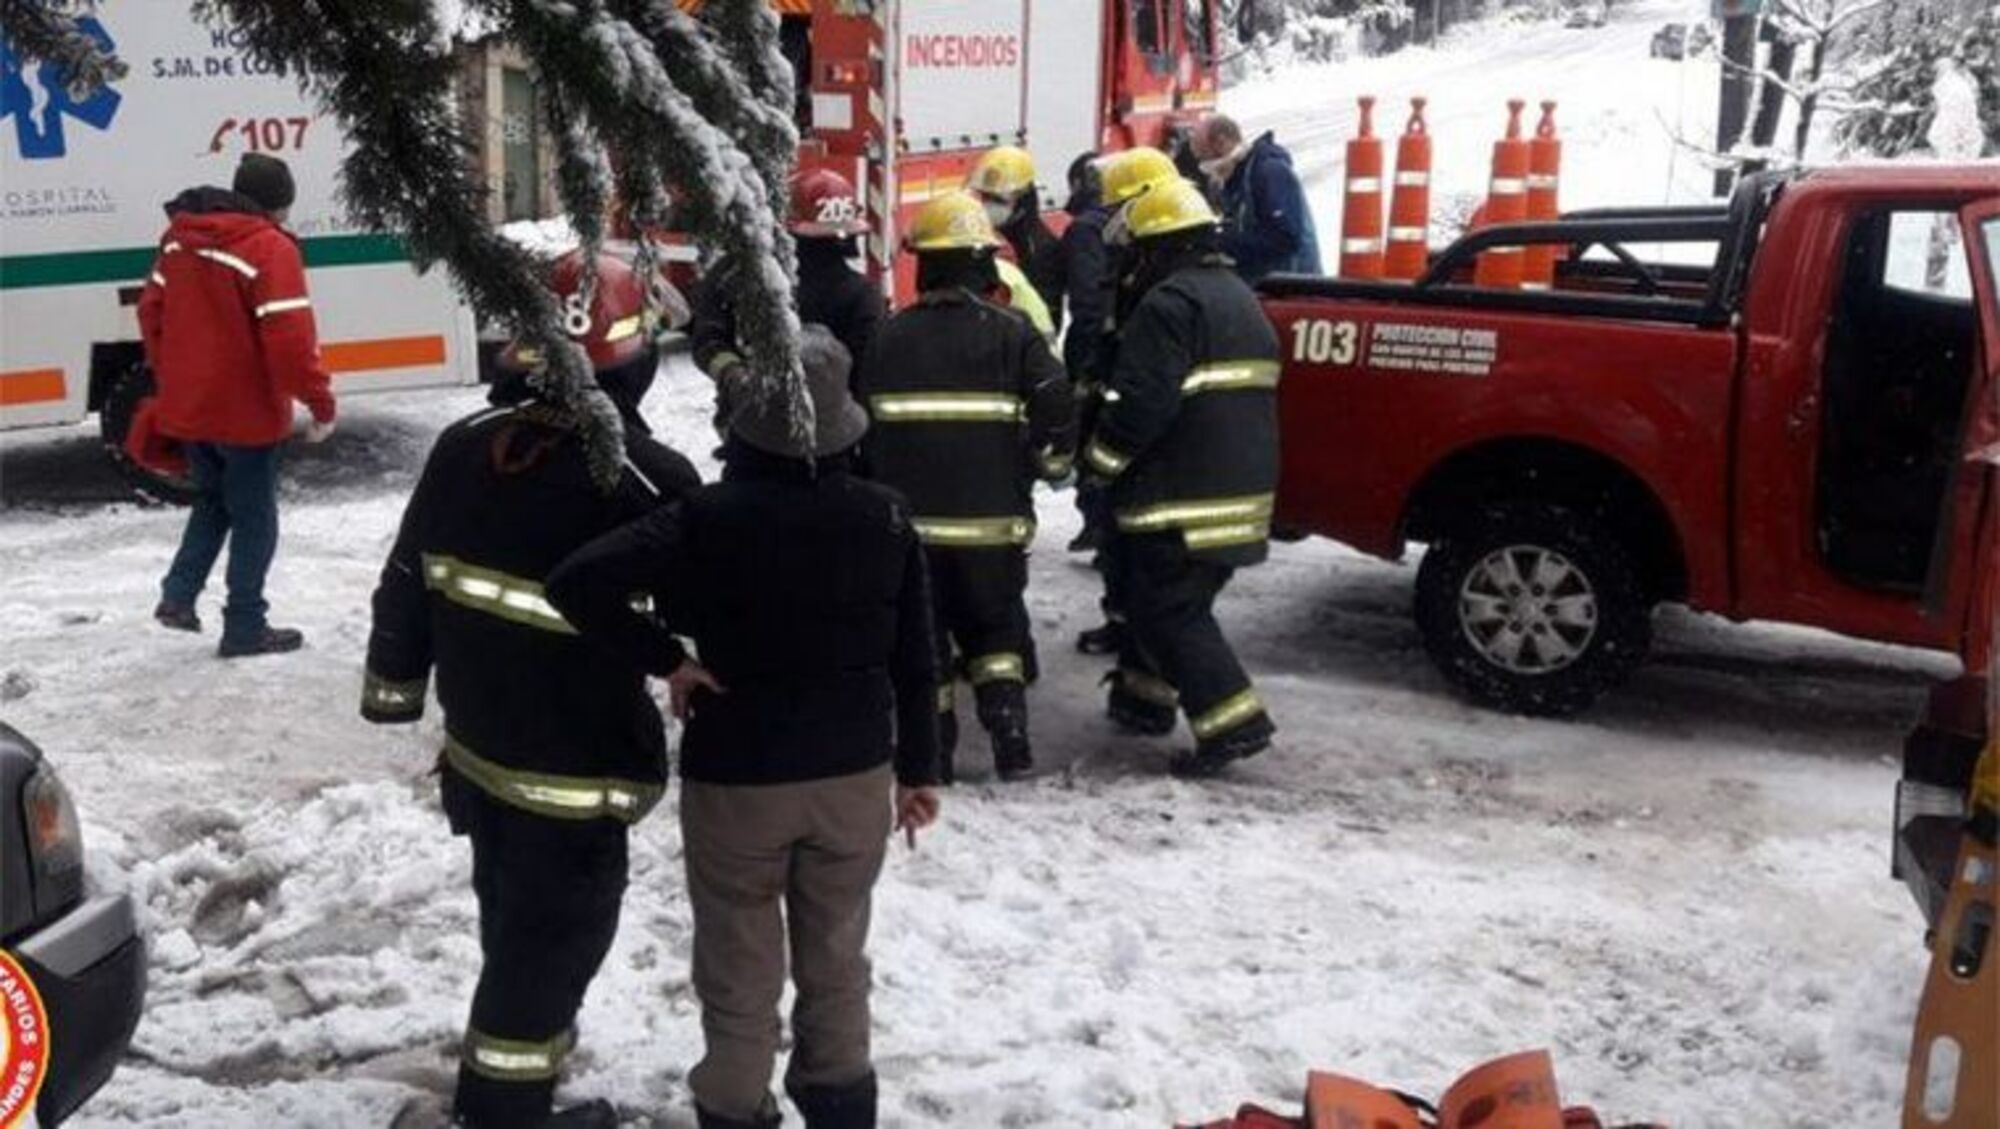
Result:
x=229 y=334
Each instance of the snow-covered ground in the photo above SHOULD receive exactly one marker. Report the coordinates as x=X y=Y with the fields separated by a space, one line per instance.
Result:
x=1685 y=894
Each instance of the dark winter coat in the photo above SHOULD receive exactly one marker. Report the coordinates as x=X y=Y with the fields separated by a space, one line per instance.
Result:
x=228 y=326
x=831 y=293
x=969 y=408
x=1267 y=223
x=1090 y=283
x=805 y=594
x=504 y=497
x=1040 y=256
x=1188 y=432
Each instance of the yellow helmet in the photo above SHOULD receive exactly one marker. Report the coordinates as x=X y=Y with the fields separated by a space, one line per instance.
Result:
x=1176 y=205
x=1003 y=173
x=955 y=221
x=1130 y=173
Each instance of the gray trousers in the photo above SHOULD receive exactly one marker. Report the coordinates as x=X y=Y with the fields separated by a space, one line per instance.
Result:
x=768 y=864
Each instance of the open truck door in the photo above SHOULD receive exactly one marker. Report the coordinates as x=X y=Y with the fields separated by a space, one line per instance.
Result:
x=1855 y=510
x=1948 y=803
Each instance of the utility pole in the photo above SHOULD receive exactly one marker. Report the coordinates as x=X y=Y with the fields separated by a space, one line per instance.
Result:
x=1739 y=67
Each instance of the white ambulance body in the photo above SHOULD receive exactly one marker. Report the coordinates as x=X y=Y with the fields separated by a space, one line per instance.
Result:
x=81 y=190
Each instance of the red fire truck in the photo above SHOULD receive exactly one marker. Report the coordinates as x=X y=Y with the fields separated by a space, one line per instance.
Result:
x=901 y=96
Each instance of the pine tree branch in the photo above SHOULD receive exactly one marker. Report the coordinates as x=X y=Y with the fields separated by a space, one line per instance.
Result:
x=610 y=74
x=36 y=32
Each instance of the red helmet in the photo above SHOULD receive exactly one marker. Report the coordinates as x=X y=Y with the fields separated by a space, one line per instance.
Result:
x=824 y=203
x=614 y=328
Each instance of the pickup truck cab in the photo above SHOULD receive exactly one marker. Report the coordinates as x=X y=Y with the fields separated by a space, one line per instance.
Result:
x=1787 y=413
x=83 y=957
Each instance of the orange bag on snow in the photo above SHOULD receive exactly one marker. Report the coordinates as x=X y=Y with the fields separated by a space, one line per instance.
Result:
x=1515 y=1092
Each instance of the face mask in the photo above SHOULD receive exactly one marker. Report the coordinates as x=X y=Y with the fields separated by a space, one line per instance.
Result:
x=998 y=212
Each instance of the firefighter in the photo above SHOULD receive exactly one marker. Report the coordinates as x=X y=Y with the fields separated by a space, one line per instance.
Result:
x=825 y=219
x=1187 y=441
x=553 y=747
x=1004 y=182
x=1121 y=178
x=970 y=406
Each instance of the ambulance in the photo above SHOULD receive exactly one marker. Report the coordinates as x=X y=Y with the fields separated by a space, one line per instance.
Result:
x=902 y=96
x=81 y=189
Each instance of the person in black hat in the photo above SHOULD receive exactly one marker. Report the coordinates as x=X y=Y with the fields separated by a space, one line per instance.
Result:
x=803 y=588
x=229 y=334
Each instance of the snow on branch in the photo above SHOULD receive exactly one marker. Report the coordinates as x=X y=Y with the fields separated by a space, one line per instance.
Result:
x=37 y=31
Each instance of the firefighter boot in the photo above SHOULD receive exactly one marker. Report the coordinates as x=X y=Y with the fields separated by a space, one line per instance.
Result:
x=838 y=1107
x=589 y=1115
x=1003 y=710
x=1214 y=754
x=1106 y=639
x=1140 y=703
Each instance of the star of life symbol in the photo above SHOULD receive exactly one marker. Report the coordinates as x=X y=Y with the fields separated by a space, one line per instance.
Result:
x=38 y=99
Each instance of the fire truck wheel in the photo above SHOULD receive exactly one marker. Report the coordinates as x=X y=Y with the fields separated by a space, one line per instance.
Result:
x=1533 y=608
x=132 y=388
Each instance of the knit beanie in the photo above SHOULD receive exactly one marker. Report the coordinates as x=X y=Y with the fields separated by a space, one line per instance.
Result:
x=267 y=181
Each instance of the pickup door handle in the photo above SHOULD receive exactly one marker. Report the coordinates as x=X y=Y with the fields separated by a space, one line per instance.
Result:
x=1801 y=416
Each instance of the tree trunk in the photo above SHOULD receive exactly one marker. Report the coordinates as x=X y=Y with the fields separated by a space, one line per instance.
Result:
x=1739 y=58
x=1771 y=99
x=1808 y=104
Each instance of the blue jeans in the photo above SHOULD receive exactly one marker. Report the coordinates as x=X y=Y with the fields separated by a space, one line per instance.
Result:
x=238 y=501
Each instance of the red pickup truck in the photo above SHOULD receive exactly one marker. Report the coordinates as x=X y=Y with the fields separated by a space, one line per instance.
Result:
x=1782 y=408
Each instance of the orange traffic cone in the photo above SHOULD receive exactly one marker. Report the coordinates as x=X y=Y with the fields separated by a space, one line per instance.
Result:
x=1545 y=154
x=1410 y=203
x=1361 y=219
x=1506 y=202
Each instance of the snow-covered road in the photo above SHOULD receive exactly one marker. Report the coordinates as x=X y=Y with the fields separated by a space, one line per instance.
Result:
x=1618 y=111
x=1685 y=894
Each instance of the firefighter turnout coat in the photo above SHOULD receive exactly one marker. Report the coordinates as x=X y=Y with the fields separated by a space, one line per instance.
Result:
x=535 y=717
x=1188 y=430
x=969 y=406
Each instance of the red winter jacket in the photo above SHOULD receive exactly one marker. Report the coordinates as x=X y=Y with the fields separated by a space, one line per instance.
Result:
x=228 y=328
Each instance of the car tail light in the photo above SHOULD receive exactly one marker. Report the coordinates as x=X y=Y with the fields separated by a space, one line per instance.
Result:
x=54 y=838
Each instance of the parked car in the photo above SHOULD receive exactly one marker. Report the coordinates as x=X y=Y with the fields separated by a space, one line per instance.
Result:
x=1803 y=427
x=83 y=955
x=1589 y=13
x=1670 y=42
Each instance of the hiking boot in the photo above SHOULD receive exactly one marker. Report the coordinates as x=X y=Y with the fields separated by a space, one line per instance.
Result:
x=590 y=1115
x=176 y=617
x=1105 y=640
x=1216 y=754
x=838 y=1107
x=1012 y=758
x=269 y=641
x=706 y=1120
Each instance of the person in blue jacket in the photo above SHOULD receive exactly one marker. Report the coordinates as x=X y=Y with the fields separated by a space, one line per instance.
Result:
x=1267 y=224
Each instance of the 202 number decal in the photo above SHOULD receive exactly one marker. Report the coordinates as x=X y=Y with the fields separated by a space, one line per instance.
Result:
x=1325 y=342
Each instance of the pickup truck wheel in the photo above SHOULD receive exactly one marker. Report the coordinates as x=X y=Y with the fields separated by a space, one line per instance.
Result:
x=114 y=420
x=1533 y=608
